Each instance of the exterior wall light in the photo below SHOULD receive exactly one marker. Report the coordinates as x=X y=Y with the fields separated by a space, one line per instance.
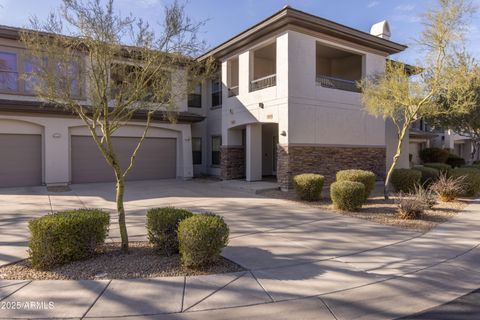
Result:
x=261 y=105
x=283 y=133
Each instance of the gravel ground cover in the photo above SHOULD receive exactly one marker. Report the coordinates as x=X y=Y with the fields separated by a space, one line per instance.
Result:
x=143 y=261
x=382 y=211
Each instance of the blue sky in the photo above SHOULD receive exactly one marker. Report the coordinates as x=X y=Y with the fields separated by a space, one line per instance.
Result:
x=226 y=18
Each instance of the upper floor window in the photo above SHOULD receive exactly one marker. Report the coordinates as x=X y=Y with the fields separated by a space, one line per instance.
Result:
x=338 y=69
x=8 y=71
x=232 y=77
x=216 y=92
x=68 y=76
x=123 y=78
x=31 y=69
x=264 y=68
x=195 y=98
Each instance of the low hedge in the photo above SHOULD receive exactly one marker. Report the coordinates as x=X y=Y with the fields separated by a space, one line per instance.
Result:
x=455 y=161
x=367 y=178
x=476 y=162
x=405 y=180
x=471 y=182
x=434 y=155
x=429 y=175
x=308 y=186
x=442 y=167
x=201 y=239
x=162 y=224
x=66 y=236
x=347 y=195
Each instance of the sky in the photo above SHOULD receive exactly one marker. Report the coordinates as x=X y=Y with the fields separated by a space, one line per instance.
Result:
x=226 y=18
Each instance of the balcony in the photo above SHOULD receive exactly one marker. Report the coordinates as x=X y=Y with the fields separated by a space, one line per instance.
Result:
x=264 y=82
x=233 y=91
x=336 y=83
x=337 y=68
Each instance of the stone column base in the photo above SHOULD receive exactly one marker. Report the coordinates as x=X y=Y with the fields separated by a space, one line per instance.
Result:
x=232 y=160
x=326 y=160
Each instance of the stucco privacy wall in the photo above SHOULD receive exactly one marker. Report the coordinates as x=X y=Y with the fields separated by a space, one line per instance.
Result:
x=56 y=141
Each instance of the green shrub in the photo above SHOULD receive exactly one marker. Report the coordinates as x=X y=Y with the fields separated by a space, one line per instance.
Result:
x=455 y=161
x=367 y=178
x=66 y=236
x=347 y=195
x=201 y=239
x=472 y=166
x=442 y=167
x=308 y=186
x=471 y=183
x=162 y=224
x=476 y=162
x=434 y=155
x=429 y=175
x=405 y=180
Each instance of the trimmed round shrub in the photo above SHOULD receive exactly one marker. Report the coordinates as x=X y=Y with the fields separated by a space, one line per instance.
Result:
x=162 y=224
x=434 y=155
x=347 y=195
x=367 y=178
x=405 y=180
x=471 y=182
x=429 y=175
x=455 y=161
x=442 y=167
x=201 y=239
x=308 y=186
x=66 y=236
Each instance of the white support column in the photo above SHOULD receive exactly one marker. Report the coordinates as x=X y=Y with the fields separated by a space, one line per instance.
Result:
x=254 y=152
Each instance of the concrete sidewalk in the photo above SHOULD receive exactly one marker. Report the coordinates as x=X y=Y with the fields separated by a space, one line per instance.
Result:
x=302 y=263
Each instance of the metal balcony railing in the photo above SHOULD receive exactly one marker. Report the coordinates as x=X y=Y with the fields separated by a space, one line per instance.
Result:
x=262 y=83
x=233 y=91
x=335 y=83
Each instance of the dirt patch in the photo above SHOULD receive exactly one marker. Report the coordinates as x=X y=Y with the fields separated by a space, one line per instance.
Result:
x=143 y=261
x=382 y=211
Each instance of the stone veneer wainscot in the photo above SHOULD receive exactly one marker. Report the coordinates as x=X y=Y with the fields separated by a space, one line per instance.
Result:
x=327 y=160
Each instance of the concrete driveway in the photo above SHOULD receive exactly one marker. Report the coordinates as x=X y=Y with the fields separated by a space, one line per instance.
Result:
x=297 y=257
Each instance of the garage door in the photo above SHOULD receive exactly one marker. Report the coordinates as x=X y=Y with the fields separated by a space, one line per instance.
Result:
x=20 y=160
x=156 y=159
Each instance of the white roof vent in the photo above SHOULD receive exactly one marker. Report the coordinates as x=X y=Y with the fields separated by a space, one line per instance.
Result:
x=381 y=30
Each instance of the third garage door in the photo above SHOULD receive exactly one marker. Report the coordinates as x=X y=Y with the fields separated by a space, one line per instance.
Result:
x=156 y=159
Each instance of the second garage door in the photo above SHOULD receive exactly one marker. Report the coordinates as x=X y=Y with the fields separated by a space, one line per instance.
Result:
x=156 y=159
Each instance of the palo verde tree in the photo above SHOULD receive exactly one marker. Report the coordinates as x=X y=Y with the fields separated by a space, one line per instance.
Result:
x=106 y=69
x=455 y=112
x=404 y=95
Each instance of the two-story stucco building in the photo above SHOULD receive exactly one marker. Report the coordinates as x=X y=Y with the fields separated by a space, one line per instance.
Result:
x=285 y=102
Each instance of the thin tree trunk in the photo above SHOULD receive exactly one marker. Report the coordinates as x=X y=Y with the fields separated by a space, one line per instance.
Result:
x=386 y=191
x=120 y=188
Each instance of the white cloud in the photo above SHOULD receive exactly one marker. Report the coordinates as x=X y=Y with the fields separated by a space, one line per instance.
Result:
x=372 y=4
x=405 y=7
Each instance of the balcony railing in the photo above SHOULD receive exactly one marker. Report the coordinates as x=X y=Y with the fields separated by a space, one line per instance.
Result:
x=233 y=91
x=262 y=83
x=335 y=83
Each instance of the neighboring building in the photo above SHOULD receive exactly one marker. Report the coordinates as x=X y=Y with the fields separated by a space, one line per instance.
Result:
x=285 y=103
x=422 y=136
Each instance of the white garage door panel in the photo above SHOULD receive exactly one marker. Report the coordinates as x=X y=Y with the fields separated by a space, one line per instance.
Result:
x=20 y=160
x=156 y=159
